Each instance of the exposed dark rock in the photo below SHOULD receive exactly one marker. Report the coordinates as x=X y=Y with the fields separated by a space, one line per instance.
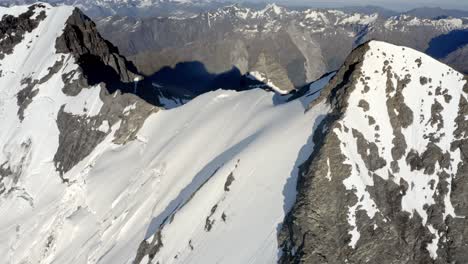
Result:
x=371 y=121
x=99 y=61
x=364 y=105
x=77 y=139
x=436 y=117
x=418 y=62
x=82 y=40
x=5 y=170
x=457 y=231
x=13 y=28
x=230 y=179
x=335 y=91
x=401 y=116
x=317 y=229
x=79 y=135
x=447 y=98
x=132 y=121
x=73 y=86
x=99 y=64
x=210 y=222
x=423 y=80
x=149 y=248
x=428 y=159
x=224 y=217
x=25 y=96
x=191 y=245
x=396 y=231
x=369 y=152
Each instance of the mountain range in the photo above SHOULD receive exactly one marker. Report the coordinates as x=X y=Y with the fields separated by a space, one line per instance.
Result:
x=289 y=47
x=134 y=8
x=100 y=163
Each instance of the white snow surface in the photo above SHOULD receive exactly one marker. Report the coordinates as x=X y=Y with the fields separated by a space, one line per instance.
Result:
x=419 y=98
x=213 y=136
x=119 y=195
x=13 y=10
x=177 y=167
x=31 y=199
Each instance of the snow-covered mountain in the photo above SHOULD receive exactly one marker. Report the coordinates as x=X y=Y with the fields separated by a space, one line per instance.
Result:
x=387 y=180
x=366 y=164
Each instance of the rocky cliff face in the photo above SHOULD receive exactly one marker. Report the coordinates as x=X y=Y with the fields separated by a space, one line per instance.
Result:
x=99 y=63
x=99 y=60
x=385 y=183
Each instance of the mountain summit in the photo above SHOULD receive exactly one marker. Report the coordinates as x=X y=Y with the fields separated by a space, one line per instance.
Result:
x=387 y=180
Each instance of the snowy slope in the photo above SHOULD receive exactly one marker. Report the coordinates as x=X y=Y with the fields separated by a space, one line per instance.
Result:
x=178 y=171
x=120 y=195
x=29 y=181
x=28 y=146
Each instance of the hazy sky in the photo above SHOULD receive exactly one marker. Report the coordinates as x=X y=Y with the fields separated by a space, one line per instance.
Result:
x=392 y=4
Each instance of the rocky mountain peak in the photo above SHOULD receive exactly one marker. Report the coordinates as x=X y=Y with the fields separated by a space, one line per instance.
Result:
x=392 y=153
x=273 y=9
x=62 y=72
x=97 y=57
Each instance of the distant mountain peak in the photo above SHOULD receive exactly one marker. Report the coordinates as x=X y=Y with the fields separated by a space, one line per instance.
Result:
x=436 y=12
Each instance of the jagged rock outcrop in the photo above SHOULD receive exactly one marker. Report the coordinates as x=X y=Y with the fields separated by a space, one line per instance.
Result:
x=81 y=134
x=384 y=183
x=99 y=63
x=99 y=60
